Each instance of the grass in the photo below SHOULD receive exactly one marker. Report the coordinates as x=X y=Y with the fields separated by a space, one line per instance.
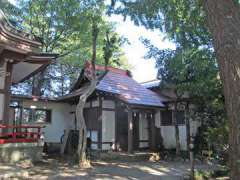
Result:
x=203 y=175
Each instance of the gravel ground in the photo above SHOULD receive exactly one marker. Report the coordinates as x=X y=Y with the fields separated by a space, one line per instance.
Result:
x=59 y=169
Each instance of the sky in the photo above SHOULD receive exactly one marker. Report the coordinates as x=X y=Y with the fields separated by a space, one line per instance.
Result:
x=143 y=70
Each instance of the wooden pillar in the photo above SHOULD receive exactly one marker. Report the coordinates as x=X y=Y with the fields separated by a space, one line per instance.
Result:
x=130 y=131
x=8 y=82
x=152 y=132
x=2 y=88
x=21 y=113
x=187 y=126
x=100 y=123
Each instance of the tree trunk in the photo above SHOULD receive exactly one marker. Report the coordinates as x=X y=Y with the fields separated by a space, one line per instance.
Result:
x=224 y=22
x=62 y=80
x=37 y=83
x=176 y=129
x=81 y=124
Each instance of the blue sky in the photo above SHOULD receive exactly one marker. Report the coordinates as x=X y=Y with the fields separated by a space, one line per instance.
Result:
x=143 y=70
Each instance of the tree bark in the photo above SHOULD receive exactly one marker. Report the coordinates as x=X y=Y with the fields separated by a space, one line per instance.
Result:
x=62 y=80
x=37 y=83
x=81 y=124
x=223 y=18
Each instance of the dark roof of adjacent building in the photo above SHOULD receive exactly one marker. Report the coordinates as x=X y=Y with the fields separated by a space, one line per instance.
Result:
x=32 y=98
x=121 y=85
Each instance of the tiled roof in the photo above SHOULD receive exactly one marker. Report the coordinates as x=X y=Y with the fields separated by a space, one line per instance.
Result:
x=128 y=90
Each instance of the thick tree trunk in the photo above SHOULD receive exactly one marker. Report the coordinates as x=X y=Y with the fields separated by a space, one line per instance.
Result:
x=224 y=22
x=81 y=124
x=176 y=129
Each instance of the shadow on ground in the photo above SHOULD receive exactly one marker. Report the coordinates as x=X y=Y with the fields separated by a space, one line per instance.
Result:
x=53 y=168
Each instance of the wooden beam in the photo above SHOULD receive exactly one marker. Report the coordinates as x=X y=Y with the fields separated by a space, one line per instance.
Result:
x=7 y=54
x=130 y=131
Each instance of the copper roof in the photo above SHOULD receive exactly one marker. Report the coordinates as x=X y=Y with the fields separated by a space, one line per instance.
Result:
x=128 y=90
x=122 y=86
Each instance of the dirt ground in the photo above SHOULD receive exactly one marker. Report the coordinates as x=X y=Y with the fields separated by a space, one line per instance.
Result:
x=59 y=169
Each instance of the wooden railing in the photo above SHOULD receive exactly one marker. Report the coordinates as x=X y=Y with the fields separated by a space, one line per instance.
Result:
x=19 y=134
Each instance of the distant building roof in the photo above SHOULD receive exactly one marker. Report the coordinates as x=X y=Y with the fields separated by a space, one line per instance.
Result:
x=33 y=98
x=151 y=84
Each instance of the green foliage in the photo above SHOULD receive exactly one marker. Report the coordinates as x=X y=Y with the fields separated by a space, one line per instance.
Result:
x=191 y=69
x=192 y=66
x=210 y=174
x=202 y=175
x=65 y=27
x=183 y=20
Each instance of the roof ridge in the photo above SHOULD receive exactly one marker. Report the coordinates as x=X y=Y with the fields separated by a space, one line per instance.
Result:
x=109 y=68
x=149 y=81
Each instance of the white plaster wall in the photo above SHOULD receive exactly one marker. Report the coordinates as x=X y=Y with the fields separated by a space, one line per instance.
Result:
x=194 y=125
x=22 y=69
x=61 y=119
x=168 y=135
x=183 y=137
x=108 y=104
x=143 y=131
x=169 y=140
x=95 y=103
x=94 y=137
x=158 y=119
x=108 y=128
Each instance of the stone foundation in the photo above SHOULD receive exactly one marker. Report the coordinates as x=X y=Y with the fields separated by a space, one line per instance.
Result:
x=14 y=152
x=121 y=156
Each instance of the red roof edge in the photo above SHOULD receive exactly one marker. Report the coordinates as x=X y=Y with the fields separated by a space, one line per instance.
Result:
x=109 y=68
